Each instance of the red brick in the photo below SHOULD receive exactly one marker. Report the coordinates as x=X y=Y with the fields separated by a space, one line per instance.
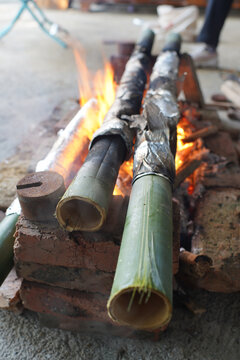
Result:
x=71 y=303
x=9 y=293
x=217 y=235
x=49 y=244
x=74 y=310
x=68 y=278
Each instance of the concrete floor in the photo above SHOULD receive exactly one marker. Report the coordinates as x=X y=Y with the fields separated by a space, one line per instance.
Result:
x=36 y=75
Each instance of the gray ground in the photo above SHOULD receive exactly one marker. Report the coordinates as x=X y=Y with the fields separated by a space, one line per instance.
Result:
x=36 y=75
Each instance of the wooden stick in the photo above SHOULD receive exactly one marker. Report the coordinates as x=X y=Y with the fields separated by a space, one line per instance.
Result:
x=186 y=170
x=205 y=132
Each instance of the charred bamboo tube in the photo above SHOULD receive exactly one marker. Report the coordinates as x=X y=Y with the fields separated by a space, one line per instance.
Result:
x=85 y=204
x=8 y=224
x=86 y=212
x=141 y=295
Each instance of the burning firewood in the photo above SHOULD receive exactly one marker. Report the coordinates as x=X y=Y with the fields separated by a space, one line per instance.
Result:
x=85 y=204
x=141 y=295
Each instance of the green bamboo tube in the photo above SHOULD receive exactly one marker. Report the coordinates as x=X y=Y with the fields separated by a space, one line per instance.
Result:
x=7 y=230
x=141 y=295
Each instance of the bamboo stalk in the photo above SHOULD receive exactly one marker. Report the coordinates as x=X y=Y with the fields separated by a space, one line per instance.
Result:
x=84 y=205
x=141 y=295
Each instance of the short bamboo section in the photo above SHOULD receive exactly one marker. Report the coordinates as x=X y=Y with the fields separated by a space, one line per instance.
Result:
x=141 y=295
x=85 y=204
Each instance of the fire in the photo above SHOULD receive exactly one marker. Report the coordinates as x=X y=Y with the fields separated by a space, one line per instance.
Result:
x=183 y=149
x=102 y=87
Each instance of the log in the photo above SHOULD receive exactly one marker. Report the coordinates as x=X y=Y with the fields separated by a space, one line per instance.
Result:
x=85 y=204
x=141 y=295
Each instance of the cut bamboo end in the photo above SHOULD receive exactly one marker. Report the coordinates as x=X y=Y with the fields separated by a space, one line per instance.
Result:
x=141 y=295
x=128 y=306
x=78 y=213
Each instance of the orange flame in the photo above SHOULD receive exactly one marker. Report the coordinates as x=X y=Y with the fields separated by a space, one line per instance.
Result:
x=183 y=128
x=102 y=87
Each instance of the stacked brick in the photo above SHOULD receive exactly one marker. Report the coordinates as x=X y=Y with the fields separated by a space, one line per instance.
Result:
x=68 y=276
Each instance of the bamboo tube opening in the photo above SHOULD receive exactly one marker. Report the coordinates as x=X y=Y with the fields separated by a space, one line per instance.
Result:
x=141 y=310
x=80 y=214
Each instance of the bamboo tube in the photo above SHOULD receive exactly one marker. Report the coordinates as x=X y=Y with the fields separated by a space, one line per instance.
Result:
x=101 y=167
x=8 y=224
x=84 y=205
x=142 y=290
x=141 y=295
x=7 y=229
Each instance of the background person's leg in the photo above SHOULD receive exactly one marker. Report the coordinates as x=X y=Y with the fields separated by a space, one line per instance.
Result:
x=216 y=13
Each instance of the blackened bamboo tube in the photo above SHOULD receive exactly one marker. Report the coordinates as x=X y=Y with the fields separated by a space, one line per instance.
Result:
x=85 y=204
x=141 y=295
